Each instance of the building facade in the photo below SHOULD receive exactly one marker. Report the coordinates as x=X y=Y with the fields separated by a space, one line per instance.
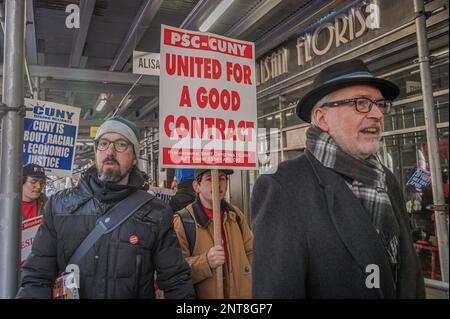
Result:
x=386 y=41
x=380 y=32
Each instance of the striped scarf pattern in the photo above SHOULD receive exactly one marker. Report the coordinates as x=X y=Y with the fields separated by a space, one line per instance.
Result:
x=369 y=186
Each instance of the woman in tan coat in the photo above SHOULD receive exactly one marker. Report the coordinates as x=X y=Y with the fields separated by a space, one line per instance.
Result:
x=194 y=228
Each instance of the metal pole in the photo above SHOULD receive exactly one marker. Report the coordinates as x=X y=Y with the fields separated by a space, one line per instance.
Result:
x=246 y=193
x=25 y=59
x=281 y=100
x=434 y=284
x=152 y=159
x=432 y=139
x=12 y=141
x=145 y=168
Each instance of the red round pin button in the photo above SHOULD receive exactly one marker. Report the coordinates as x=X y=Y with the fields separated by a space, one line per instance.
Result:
x=133 y=239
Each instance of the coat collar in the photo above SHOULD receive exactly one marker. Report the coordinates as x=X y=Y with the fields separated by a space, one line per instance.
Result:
x=202 y=219
x=353 y=226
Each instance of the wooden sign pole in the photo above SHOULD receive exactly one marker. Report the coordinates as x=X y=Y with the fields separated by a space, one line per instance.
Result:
x=217 y=227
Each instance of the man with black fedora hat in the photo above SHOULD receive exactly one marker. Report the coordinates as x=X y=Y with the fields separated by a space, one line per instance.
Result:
x=195 y=231
x=332 y=221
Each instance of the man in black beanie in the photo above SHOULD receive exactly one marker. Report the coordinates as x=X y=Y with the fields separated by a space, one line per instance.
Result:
x=122 y=262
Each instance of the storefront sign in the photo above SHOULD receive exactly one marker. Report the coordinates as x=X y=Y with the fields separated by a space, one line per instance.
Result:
x=273 y=65
x=207 y=101
x=319 y=39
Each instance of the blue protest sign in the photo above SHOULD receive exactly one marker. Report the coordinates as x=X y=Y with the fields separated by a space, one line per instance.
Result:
x=50 y=133
x=164 y=194
x=420 y=179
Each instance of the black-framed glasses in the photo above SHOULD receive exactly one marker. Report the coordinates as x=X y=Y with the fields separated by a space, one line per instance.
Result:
x=363 y=104
x=119 y=145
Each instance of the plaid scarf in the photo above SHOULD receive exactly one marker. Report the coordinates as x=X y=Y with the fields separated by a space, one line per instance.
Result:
x=369 y=186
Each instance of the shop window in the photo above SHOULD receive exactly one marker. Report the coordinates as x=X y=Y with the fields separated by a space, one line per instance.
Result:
x=295 y=138
x=290 y=118
x=404 y=153
x=419 y=117
x=388 y=123
x=267 y=107
x=441 y=109
x=412 y=115
x=271 y=121
x=409 y=83
x=439 y=75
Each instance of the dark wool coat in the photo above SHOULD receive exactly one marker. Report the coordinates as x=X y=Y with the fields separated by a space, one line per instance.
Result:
x=313 y=239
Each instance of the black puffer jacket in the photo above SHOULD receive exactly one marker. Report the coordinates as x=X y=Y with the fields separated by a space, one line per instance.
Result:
x=113 y=268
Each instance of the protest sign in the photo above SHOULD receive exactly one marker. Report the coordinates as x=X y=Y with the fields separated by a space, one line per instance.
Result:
x=50 y=133
x=420 y=179
x=207 y=101
x=164 y=194
x=29 y=230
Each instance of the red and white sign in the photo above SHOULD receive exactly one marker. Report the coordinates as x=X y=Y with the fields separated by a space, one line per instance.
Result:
x=207 y=101
x=29 y=230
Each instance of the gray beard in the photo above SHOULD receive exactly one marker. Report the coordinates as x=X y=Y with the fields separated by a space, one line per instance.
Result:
x=109 y=175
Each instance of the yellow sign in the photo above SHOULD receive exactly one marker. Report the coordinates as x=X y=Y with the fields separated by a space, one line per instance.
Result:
x=93 y=131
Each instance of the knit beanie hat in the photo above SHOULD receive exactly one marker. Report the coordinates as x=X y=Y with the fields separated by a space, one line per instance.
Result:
x=122 y=126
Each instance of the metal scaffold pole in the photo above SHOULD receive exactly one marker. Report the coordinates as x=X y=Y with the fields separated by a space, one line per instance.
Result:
x=12 y=140
x=432 y=137
x=152 y=165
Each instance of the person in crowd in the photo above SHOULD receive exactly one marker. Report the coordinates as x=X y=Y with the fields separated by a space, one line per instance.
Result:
x=332 y=223
x=195 y=231
x=33 y=187
x=413 y=199
x=122 y=262
x=174 y=184
x=185 y=193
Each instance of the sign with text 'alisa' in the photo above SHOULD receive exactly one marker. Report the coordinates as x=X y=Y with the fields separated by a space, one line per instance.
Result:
x=50 y=133
x=146 y=63
x=207 y=101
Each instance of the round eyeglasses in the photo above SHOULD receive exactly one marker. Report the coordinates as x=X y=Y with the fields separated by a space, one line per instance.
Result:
x=119 y=145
